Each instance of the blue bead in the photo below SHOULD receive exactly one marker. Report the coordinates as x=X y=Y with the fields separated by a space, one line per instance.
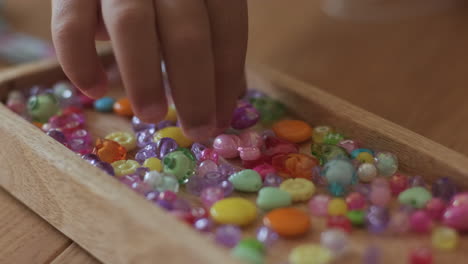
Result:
x=356 y=152
x=105 y=104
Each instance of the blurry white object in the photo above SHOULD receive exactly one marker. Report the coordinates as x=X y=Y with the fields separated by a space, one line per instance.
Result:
x=385 y=9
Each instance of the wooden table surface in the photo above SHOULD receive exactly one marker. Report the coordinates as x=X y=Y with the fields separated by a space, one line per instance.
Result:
x=411 y=72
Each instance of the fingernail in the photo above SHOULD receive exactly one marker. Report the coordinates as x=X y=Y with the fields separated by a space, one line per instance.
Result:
x=96 y=90
x=200 y=133
x=152 y=113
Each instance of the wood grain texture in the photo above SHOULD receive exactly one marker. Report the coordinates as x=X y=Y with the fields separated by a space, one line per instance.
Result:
x=74 y=254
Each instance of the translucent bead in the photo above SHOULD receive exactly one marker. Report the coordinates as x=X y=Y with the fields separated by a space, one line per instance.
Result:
x=420 y=256
x=91 y=158
x=356 y=201
x=267 y=236
x=67 y=123
x=206 y=166
x=444 y=238
x=195 y=185
x=272 y=180
x=249 y=153
x=197 y=149
x=325 y=152
x=349 y=145
x=310 y=254
x=139 y=125
x=251 y=138
x=386 y=163
x=204 y=225
x=58 y=136
x=180 y=165
x=275 y=146
x=106 y=167
x=227 y=187
x=417 y=181
x=125 y=139
x=109 y=151
x=211 y=195
x=209 y=154
x=244 y=116
x=145 y=137
x=161 y=182
x=398 y=183
x=335 y=240
x=420 y=222
x=339 y=222
x=367 y=172
x=125 y=167
x=444 y=188
x=377 y=219
x=80 y=146
x=176 y=134
x=333 y=138
x=227 y=145
x=294 y=165
x=320 y=132
x=228 y=235
x=380 y=194
x=270 y=109
x=43 y=106
x=318 y=205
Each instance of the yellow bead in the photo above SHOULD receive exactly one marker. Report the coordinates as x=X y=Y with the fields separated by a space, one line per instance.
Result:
x=235 y=211
x=125 y=139
x=444 y=238
x=300 y=189
x=153 y=164
x=365 y=157
x=125 y=167
x=319 y=133
x=174 y=133
x=337 y=206
x=310 y=254
x=171 y=114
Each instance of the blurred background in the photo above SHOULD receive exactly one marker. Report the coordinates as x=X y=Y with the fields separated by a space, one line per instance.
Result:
x=405 y=60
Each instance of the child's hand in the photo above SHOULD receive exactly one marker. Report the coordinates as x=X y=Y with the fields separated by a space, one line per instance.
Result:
x=203 y=43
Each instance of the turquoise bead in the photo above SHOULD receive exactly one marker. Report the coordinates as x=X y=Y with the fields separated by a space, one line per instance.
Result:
x=336 y=189
x=416 y=197
x=105 y=104
x=356 y=152
x=42 y=107
x=180 y=165
x=246 y=181
x=340 y=171
x=271 y=197
x=249 y=251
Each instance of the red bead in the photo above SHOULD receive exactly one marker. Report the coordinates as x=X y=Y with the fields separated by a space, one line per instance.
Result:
x=169 y=196
x=187 y=217
x=420 y=256
x=209 y=154
x=356 y=201
x=274 y=146
x=250 y=164
x=341 y=222
x=398 y=183
x=199 y=212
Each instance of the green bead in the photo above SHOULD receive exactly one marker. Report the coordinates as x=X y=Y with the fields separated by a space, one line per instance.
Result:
x=188 y=153
x=179 y=164
x=357 y=217
x=325 y=152
x=270 y=109
x=333 y=138
x=246 y=181
x=43 y=106
x=416 y=197
x=271 y=197
x=250 y=251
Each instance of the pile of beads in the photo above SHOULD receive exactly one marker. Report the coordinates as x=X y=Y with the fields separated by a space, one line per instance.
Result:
x=347 y=185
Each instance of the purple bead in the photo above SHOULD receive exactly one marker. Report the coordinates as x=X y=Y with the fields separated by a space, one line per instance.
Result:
x=164 y=204
x=81 y=134
x=164 y=124
x=211 y=195
x=139 y=125
x=197 y=149
x=142 y=188
x=245 y=116
x=105 y=167
x=58 y=136
x=80 y=146
x=165 y=146
x=141 y=172
x=272 y=180
x=372 y=255
x=204 y=224
x=213 y=178
x=444 y=188
x=377 y=219
x=253 y=94
x=38 y=89
x=227 y=187
x=195 y=185
x=363 y=189
x=91 y=158
x=228 y=235
x=267 y=236
x=227 y=169
x=206 y=166
x=181 y=205
x=145 y=137
x=149 y=151
x=152 y=196
x=130 y=180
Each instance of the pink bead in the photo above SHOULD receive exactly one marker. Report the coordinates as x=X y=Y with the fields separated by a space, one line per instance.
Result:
x=435 y=208
x=211 y=195
x=356 y=201
x=460 y=199
x=226 y=145
x=264 y=169
x=380 y=193
x=399 y=223
x=420 y=256
x=86 y=101
x=249 y=153
x=81 y=134
x=456 y=217
x=349 y=145
x=206 y=166
x=420 y=222
x=318 y=205
x=67 y=123
x=398 y=183
x=209 y=154
x=251 y=138
x=169 y=196
x=16 y=106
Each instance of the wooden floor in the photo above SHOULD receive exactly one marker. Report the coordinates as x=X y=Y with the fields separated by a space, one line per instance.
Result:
x=413 y=72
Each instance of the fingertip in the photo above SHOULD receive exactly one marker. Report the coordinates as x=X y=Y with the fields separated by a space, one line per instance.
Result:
x=151 y=113
x=96 y=89
x=200 y=133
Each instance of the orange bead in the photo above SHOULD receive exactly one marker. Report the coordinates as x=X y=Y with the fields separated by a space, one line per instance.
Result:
x=109 y=151
x=38 y=124
x=295 y=165
x=288 y=222
x=123 y=107
x=295 y=131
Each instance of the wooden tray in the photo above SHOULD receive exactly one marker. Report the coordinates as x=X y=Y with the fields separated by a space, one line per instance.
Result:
x=117 y=226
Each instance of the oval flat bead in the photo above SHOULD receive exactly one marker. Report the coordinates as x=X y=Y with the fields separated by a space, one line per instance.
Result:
x=125 y=139
x=174 y=133
x=123 y=107
x=416 y=197
x=288 y=222
x=125 y=167
x=295 y=131
x=235 y=211
x=310 y=254
x=246 y=181
x=300 y=189
x=271 y=198
x=104 y=104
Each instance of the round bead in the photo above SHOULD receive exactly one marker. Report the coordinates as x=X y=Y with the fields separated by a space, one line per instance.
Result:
x=398 y=183
x=300 y=189
x=207 y=166
x=123 y=107
x=264 y=169
x=153 y=164
x=273 y=180
x=444 y=238
x=109 y=151
x=435 y=208
x=270 y=109
x=365 y=157
x=161 y=182
x=339 y=222
x=125 y=167
x=234 y=211
x=250 y=138
x=456 y=217
x=349 y=145
x=386 y=163
x=171 y=114
x=125 y=139
x=333 y=138
x=416 y=197
x=357 y=217
x=318 y=205
x=460 y=199
x=380 y=193
x=287 y=222
x=310 y=254
x=249 y=153
x=338 y=171
x=295 y=131
x=246 y=181
x=43 y=106
x=104 y=104
x=204 y=224
x=228 y=235
x=356 y=201
x=174 y=133
x=335 y=240
x=337 y=206
x=366 y=172
x=179 y=164
x=320 y=132
x=420 y=222
x=420 y=256
x=227 y=146
x=271 y=198
x=325 y=152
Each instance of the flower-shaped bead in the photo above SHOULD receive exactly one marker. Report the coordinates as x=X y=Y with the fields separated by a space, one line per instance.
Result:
x=125 y=139
x=125 y=167
x=299 y=188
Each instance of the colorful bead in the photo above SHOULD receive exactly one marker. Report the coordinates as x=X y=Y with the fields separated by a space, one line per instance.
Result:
x=325 y=152
x=356 y=217
x=153 y=164
x=356 y=152
x=234 y=211
x=339 y=222
x=211 y=195
x=228 y=235
x=227 y=145
x=460 y=199
x=398 y=183
x=123 y=107
x=295 y=131
x=456 y=217
x=250 y=138
x=335 y=240
x=386 y=163
x=249 y=153
x=246 y=181
x=125 y=139
x=300 y=189
x=415 y=196
x=377 y=219
x=365 y=157
x=349 y=145
x=444 y=238
x=294 y=165
x=272 y=180
x=318 y=205
x=104 y=104
x=180 y=164
x=288 y=222
x=356 y=201
x=380 y=193
x=270 y=109
x=367 y=172
x=267 y=236
x=420 y=222
x=310 y=254
x=43 y=106
x=124 y=167
x=420 y=256
x=319 y=133
x=174 y=133
x=109 y=151
x=244 y=116
x=436 y=208
x=68 y=123
x=204 y=225
x=206 y=166
x=339 y=171
x=264 y=169
x=248 y=251
x=399 y=223
x=333 y=138
x=337 y=206
x=271 y=198
x=161 y=182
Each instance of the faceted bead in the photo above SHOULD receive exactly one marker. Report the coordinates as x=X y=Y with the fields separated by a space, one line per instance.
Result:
x=380 y=194
x=167 y=196
x=420 y=256
x=226 y=145
x=227 y=187
x=83 y=135
x=444 y=188
x=91 y=158
x=325 y=152
x=195 y=185
x=319 y=133
x=300 y=189
x=251 y=138
x=206 y=166
x=165 y=123
x=211 y=195
x=294 y=165
x=398 y=183
x=109 y=151
x=267 y=236
x=199 y=212
x=377 y=219
x=123 y=107
x=176 y=134
x=43 y=106
x=125 y=167
x=58 y=136
x=349 y=145
x=310 y=254
x=214 y=178
x=386 y=163
x=435 y=208
x=228 y=235
x=339 y=222
x=356 y=201
x=67 y=123
x=335 y=240
x=125 y=139
x=295 y=131
x=272 y=180
x=179 y=164
x=444 y=238
x=161 y=182
x=139 y=125
x=152 y=196
x=245 y=116
x=209 y=154
x=318 y=205
x=249 y=153
x=167 y=145
x=145 y=137
x=204 y=225
x=274 y=146
x=80 y=146
x=420 y=222
x=197 y=149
